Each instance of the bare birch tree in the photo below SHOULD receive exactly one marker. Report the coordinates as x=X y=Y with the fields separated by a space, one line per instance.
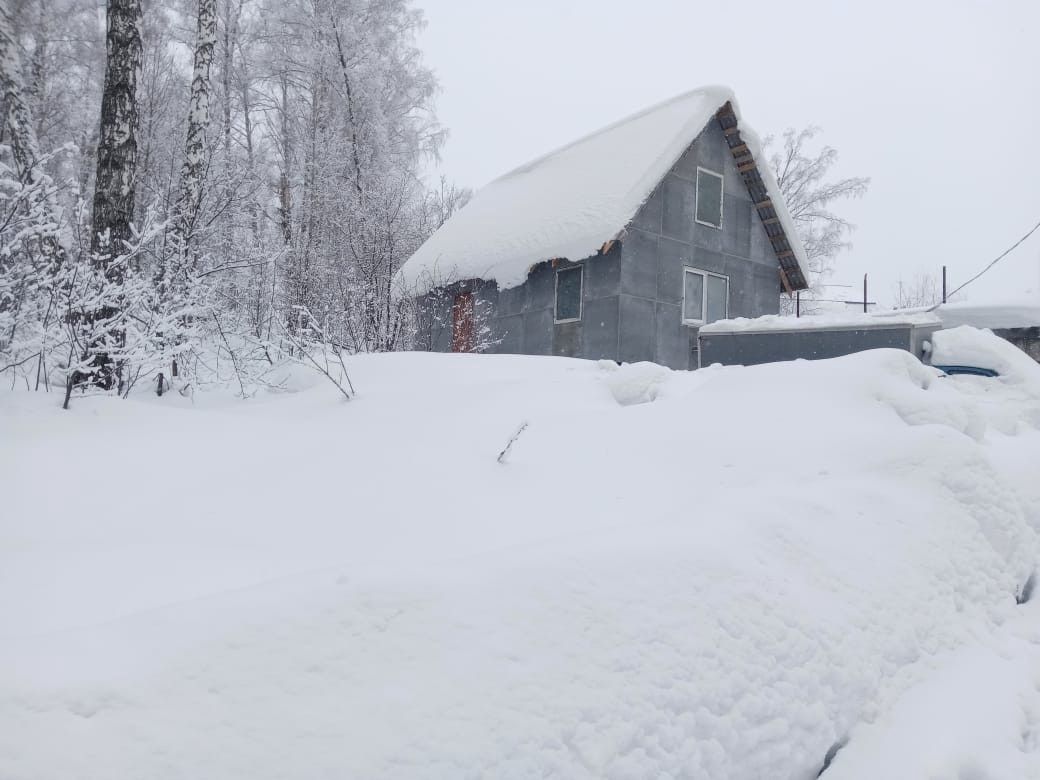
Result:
x=29 y=265
x=923 y=290
x=22 y=134
x=116 y=176
x=802 y=175
x=193 y=170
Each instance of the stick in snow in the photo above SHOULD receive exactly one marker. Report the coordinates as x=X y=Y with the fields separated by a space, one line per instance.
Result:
x=509 y=444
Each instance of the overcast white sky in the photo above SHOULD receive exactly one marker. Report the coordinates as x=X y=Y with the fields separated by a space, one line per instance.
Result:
x=938 y=102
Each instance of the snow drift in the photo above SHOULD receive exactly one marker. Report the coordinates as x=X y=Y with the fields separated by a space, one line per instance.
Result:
x=719 y=574
x=968 y=346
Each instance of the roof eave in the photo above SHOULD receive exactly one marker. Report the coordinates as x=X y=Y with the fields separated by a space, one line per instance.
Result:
x=787 y=248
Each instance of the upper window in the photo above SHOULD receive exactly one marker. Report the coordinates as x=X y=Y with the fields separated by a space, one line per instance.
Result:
x=705 y=297
x=568 y=294
x=709 y=197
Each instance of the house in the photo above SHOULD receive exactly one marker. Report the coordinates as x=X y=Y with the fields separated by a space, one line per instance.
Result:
x=617 y=246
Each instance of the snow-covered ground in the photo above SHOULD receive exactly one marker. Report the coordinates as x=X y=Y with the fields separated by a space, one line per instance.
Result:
x=720 y=574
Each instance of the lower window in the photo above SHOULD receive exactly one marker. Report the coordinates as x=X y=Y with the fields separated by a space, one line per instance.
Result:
x=568 y=294
x=705 y=297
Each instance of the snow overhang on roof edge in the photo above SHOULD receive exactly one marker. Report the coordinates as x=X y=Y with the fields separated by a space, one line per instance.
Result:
x=569 y=202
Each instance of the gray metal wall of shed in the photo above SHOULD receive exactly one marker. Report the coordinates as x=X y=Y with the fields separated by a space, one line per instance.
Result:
x=632 y=295
x=749 y=349
x=1026 y=339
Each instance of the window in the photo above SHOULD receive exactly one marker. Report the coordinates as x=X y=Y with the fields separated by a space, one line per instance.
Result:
x=716 y=297
x=693 y=296
x=568 y=294
x=709 y=198
x=705 y=297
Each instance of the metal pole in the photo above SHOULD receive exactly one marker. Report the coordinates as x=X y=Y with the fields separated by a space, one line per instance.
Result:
x=864 y=293
x=944 y=284
x=798 y=304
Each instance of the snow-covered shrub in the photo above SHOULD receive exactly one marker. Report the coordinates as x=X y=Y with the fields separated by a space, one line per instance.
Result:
x=32 y=254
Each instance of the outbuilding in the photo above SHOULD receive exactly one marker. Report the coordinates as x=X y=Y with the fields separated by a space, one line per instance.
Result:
x=1017 y=321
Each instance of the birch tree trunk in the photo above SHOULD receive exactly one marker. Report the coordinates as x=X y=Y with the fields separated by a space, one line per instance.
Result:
x=117 y=142
x=231 y=17
x=285 y=206
x=193 y=171
x=23 y=139
x=116 y=167
x=176 y=284
x=19 y=118
x=351 y=118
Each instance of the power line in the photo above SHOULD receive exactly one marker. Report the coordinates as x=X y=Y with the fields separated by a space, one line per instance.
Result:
x=839 y=300
x=1000 y=257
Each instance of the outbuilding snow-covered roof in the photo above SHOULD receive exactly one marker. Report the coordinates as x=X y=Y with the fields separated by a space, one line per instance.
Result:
x=774 y=323
x=568 y=203
x=1020 y=313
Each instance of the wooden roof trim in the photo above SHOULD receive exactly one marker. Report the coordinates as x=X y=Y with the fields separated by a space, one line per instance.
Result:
x=791 y=277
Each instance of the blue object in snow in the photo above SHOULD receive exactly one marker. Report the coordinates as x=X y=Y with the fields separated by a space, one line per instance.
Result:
x=970 y=370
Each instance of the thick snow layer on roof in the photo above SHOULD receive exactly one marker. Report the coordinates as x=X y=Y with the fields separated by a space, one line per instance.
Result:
x=1024 y=313
x=569 y=202
x=775 y=322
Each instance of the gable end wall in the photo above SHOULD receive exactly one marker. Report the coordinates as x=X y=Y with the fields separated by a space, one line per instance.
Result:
x=664 y=237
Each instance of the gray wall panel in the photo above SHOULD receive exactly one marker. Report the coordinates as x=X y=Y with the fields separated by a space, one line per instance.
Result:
x=637 y=329
x=748 y=349
x=600 y=329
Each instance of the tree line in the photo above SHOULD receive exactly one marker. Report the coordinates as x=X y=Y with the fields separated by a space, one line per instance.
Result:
x=193 y=191
x=190 y=190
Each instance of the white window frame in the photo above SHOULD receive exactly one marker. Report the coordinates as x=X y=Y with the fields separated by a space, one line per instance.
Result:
x=704 y=295
x=580 y=268
x=722 y=197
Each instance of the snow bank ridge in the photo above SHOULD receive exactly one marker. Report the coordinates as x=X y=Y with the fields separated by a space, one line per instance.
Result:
x=682 y=588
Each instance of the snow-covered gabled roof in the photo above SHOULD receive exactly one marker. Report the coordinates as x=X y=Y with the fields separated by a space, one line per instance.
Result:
x=570 y=202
